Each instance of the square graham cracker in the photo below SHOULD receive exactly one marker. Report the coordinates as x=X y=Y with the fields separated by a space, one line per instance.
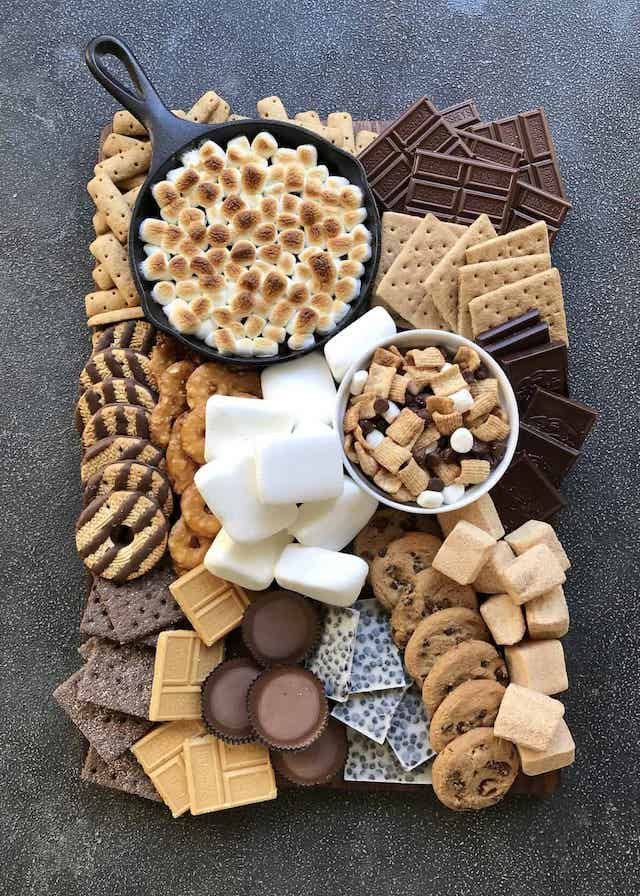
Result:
x=118 y=677
x=122 y=774
x=542 y=291
x=477 y=279
x=182 y=664
x=160 y=755
x=531 y=240
x=213 y=606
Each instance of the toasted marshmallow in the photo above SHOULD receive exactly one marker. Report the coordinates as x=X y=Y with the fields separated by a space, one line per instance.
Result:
x=360 y=253
x=274 y=333
x=284 y=155
x=292 y=240
x=152 y=230
x=326 y=323
x=251 y=279
x=323 y=272
x=171 y=211
x=315 y=236
x=254 y=325
x=360 y=233
x=223 y=340
x=181 y=316
x=351 y=196
x=187 y=289
x=164 y=193
x=187 y=181
x=155 y=267
x=264 y=144
x=264 y=348
x=281 y=313
x=163 y=292
x=229 y=180
x=347 y=289
x=265 y=233
x=270 y=253
x=207 y=194
x=179 y=267
x=298 y=294
x=269 y=208
x=322 y=303
x=202 y=307
x=172 y=238
x=339 y=310
x=232 y=204
x=287 y=263
x=253 y=179
x=350 y=268
x=340 y=245
x=274 y=286
x=204 y=330
x=243 y=252
x=305 y=321
x=321 y=172
x=298 y=341
x=174 y=174
x=307 y=155
x=244 y=222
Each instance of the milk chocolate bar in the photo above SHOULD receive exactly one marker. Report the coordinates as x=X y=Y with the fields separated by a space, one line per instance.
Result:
x=525 y=493
x=539 y=204
x=544 y=367
x=528 y=338
x=388 y=161
x=552 y=457
x=567 y=421
x=493 y=150
x=509 y=327
x=458 y=189
x=462 y=115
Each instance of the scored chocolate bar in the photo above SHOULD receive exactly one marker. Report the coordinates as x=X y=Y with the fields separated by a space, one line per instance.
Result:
x=462 y=115
x=569 y=422
x=525 y=493
x=529 y=131
x=552 y=457
x=509 y=327
x=538 y=204
x=492 y=150
x=530 y=337
x=388 y=161
x=544 y=366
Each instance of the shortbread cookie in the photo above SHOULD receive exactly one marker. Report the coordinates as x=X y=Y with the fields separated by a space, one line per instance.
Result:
x=121 y=536
x=138 y=335
x=131 y=476
x=432 y=592
x=116 y=420
x=394 y=568
x=475 y=771
x=119 y=363
x=111 y=391
x=385 y=526
x=116 y=448
x=468 y=661
x=473 y=704
x=437 y=634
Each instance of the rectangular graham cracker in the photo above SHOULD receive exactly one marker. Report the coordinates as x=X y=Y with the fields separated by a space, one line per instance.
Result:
x=220 y=775
x=122 y=774
x=442 y=283
x=396 y=231
x=118 y=677
x=213 y=606
x=532 y=240
x=343 y=124
x=478 y=279
x=182 y=664
x=542 y=291
x=403 y=287
x=160 y=755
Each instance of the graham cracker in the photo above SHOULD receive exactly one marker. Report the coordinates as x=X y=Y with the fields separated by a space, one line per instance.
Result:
x=542 y=291
x=395 y=231
x=485 y=276
x=343 y=123
x=220 y=775
x=160 y=755
x=213 y=606
x=118 y=677
x=532 y=240
x=140 y=608
x=110 y=733
x=181 y=665
x=114 y=317
x=442 y=283
x=122 y=774
x=403 y=287
x=363 y=139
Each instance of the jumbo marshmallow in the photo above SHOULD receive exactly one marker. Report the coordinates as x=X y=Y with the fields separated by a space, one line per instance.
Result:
x=327 y=576
x=305 y=466
x=305 y=386
x=228 y=486
x=251 y=566
x=333 y=524
x=355 y=340
x=233 y=422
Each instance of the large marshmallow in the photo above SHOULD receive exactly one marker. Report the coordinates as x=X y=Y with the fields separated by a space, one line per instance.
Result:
x=228 y=485
x=231 y=422
x=305 y=386
x=306 y=466
x=333 y=524
x=328 y=576
x=251 y=566
x=355 y=340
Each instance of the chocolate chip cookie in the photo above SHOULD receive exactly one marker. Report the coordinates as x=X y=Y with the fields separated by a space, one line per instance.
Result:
x=432 y=591
x=470 y=660
x=437 y=634
x=395 y=567
x=475 y=770
x=385 y=526
x=473 y=704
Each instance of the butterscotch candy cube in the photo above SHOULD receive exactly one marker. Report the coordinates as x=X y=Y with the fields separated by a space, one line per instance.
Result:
x=531 y=574
x=527 y=717
x=538 y=665
x=548 y=615
x=504 y=619
x=560 y=753
x=536 y=532
x=489 y=580
x=482 y=513
x=463 y=553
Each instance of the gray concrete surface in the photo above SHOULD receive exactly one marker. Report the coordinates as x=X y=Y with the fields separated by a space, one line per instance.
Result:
x=580 y=60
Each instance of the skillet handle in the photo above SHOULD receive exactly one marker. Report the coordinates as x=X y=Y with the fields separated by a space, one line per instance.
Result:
x=168 y=132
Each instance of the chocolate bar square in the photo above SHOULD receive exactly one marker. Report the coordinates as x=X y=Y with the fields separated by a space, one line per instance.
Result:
x=552 y=457
x=527 y=338
x=542 y=367
x=565 y=420
x=525 y=493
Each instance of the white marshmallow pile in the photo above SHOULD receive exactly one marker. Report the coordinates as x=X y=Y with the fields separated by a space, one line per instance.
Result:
x=256 y=246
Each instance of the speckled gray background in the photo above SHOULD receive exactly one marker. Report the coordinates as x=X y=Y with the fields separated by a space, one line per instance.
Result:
x=581 y=61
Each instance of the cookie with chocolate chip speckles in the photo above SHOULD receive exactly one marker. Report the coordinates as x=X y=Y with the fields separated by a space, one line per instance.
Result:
x=475 y=770
x=116 y=420
x=437 y=634
x=469 y=661
x=119 y=363
x=112 y=391
x=385 y=526
x=433 y=591
x=116 y=448
x=395 y=567
x=473 y=704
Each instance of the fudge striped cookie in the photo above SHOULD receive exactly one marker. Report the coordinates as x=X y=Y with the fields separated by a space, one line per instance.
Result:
x=138 y=335
x=116 y=420
x=112 y=391
x=119 y=363
x=115 y=448
x=131 y=476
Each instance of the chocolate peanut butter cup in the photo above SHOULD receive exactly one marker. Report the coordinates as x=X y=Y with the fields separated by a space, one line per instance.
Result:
x=288 y=708
x=224 y=700
x=318 y=764
x=280 y=627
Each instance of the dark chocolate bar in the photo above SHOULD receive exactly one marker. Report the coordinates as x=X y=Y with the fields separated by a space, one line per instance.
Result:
x=462 y=115
x=388 y=161
x=459 y=190
x=567 y=421
x=529 y=338
x=525 y=493
x=544 y=367
x=552 y=457
x=509 y=327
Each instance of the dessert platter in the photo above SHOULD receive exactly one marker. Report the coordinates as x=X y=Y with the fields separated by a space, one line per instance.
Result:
x=324 y=426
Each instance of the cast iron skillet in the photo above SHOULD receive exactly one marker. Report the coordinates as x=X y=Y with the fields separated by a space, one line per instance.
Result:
x=171 y=136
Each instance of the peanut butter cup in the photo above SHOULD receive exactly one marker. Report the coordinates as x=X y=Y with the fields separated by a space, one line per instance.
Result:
x=318 y=764
x=224 y=700
x=288 y=708
x=280 y=627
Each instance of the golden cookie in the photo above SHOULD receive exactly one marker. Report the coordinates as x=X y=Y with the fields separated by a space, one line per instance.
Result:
x=131 y=476
x=138 y=335
x=197 y=515
x=116 y=448
x=473 y=704
x=469 y=661
x=180 y=466
x=475 y=770
x=437 y=634
x=112 y=391
x=172 y=400
x=432 y=591
x=116 y=420
x=186 y=548
x=118 y=363
x=394 y=568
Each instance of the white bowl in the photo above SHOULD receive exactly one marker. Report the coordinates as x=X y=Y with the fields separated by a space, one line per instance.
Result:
x=423 y=339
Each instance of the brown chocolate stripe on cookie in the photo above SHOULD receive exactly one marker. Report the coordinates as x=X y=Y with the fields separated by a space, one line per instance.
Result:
x=119 y=363
x=116 y=420
x=138 y=335
x=112 y=391
x=121 y=536
x=131 y=476
x=117 y=448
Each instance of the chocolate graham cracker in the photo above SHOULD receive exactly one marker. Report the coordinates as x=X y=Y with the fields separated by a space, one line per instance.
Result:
x=95 y=620
x=140 y=608
x=119 y=677
x=122 y=774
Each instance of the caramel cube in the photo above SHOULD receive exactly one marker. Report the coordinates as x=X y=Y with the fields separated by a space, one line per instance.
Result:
x=560 y=753
x=463 y=553
x=489 y=580
x=482 y=513
x=548 y=615
x=536 y=532
x=504 y=619
x=538 y=665
x=531 y=574
x=528 y=717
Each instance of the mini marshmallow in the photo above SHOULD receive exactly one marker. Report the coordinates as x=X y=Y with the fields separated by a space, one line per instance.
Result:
x=358 y=380
x=244 y=347
x=306 y=466
x=391 y=413
x=461 y=440
x=430 y=499
x=451 y=494
x=333 y=524
x=374 y=438
x=352 y=342
x=300 y=341
x=305 y=386
x=327 y=576
x=462 y=400
x=251 y=566
x=228 y=486
x=232 y=423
